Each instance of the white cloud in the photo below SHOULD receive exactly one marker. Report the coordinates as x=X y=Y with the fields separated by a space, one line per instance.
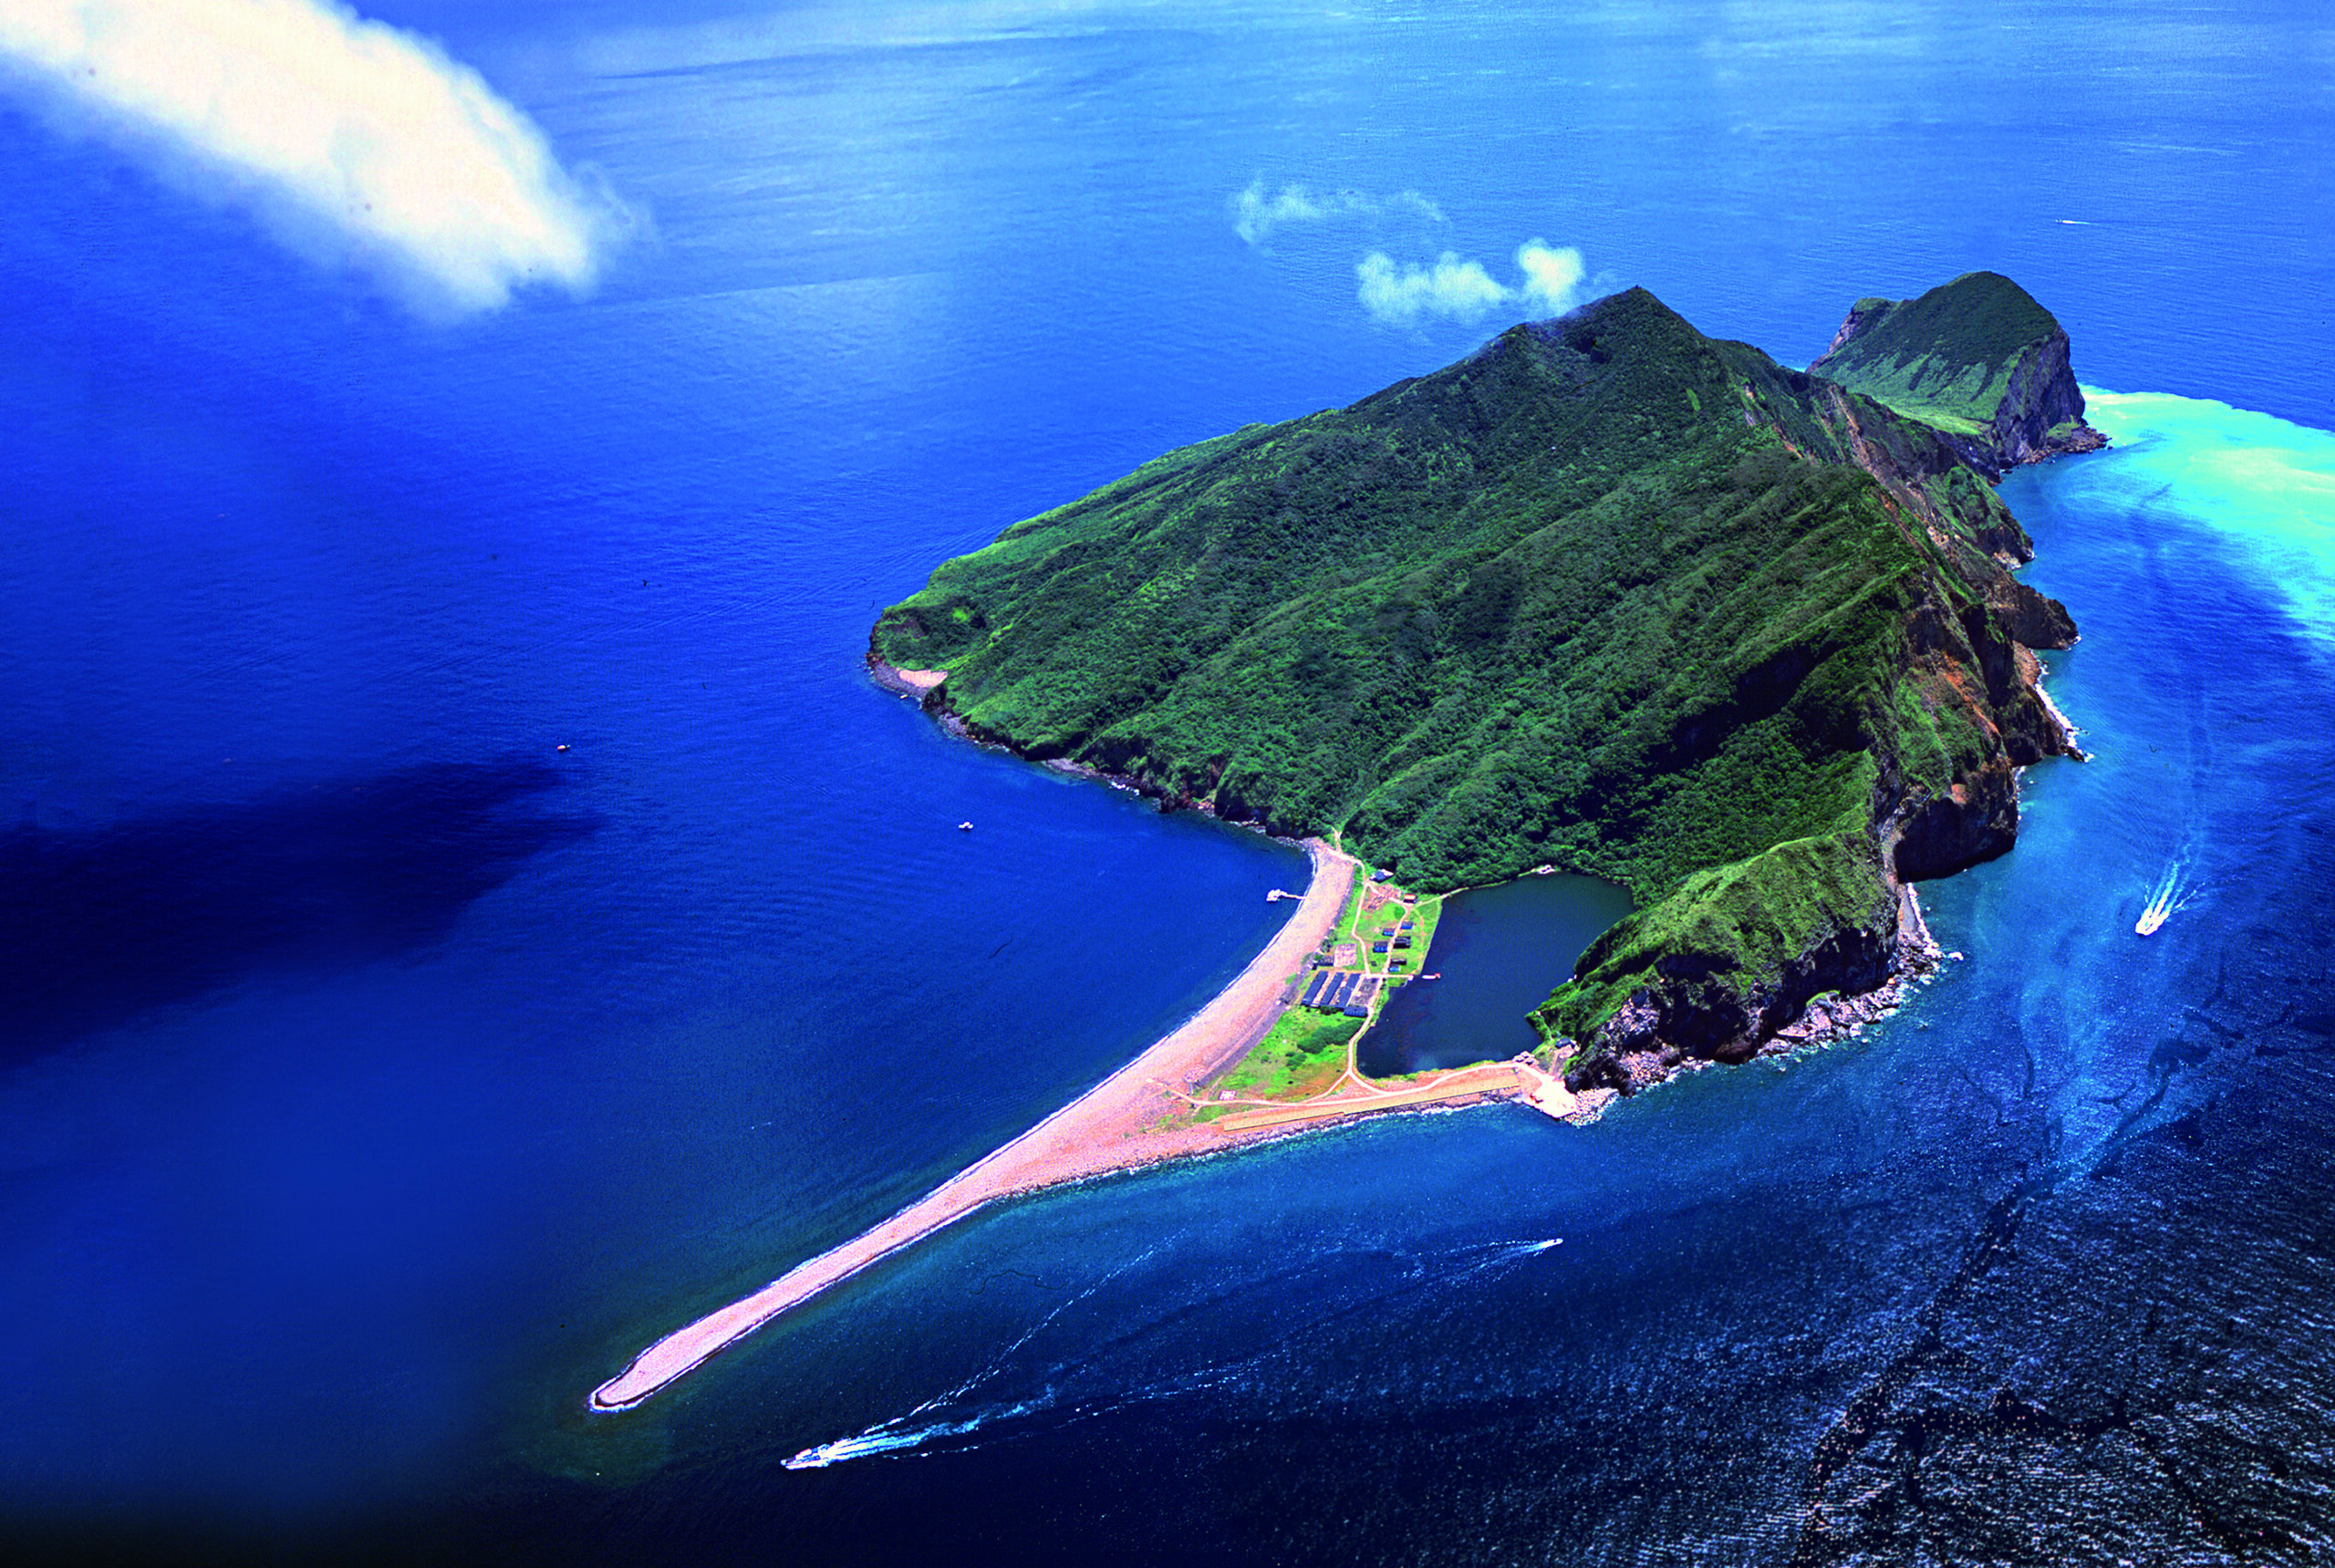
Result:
x=1256 y=214
x=1402 y=295
x=348 y=136
x=1552 y=278
x=1464 y=291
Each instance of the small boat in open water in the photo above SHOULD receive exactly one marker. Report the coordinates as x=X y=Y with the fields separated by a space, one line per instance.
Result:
x=889 y=1438
x=2165 y=900
x=877 y=1442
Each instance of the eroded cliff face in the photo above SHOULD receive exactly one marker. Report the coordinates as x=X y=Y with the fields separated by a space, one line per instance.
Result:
x=1974 y=658
x=2041 y=415
x=1971 y=659
x=1965 y=660
x=1688 y=1018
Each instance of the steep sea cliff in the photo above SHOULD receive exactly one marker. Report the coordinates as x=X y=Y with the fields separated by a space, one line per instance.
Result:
x=311 y=1265
x=1607 y=594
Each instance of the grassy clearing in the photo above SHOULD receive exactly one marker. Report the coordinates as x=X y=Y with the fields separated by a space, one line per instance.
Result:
x=1366 y=927
x=1349 y=917
x=1306 y=1050
x=1302 y=1054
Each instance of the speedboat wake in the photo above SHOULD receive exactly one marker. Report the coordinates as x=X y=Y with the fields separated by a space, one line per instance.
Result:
x=2166 y=899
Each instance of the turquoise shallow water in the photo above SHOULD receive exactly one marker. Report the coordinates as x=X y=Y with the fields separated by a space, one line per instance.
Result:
x=1378 y=1320
x=376 y=1079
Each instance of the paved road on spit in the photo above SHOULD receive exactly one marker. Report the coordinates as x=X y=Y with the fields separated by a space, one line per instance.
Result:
x=1113 y=1126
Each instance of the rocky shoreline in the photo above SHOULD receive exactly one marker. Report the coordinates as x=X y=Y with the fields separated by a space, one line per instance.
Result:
x=1816 y=934
x=915 y=685
x=1648 y=1060
x=923 y=687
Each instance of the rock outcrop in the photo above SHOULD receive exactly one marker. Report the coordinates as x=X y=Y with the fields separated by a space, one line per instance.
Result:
x=1977 y=357
x=1607 y=594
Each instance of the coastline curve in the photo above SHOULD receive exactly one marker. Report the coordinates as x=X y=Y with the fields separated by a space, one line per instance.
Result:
x=1114 y=1125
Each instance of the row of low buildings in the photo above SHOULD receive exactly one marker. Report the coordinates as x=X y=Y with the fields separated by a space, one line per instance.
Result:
x=1350 y=991
x=1341 y=990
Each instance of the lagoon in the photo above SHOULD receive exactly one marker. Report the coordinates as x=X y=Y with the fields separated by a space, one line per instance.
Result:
x=315 y=1251
x=1496 y=950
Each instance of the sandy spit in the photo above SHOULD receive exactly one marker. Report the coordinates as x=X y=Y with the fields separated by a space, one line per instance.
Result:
x=1131 y=1118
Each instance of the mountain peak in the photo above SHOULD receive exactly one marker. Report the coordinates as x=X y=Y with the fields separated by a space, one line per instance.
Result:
x=1607 y=594
x=1976 y=358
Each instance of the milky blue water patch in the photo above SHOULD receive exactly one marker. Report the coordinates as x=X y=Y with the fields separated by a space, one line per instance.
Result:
x=2198 y=689
x=372 y=1216
x=2259 y=480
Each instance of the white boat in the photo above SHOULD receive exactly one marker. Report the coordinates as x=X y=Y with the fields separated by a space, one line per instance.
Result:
x=2165 y=900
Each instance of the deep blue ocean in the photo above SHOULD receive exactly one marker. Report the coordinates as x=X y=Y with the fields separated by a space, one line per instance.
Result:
x=375 y=1078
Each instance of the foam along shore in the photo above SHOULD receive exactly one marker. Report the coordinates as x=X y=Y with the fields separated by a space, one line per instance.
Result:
x=1135 y=1116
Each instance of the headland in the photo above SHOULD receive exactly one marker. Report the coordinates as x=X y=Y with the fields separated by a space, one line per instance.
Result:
x=1607 y=595
x=1148 y=1111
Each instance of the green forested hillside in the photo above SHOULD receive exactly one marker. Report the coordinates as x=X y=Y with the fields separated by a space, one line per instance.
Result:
x=1606 y=594
x=1945 y=357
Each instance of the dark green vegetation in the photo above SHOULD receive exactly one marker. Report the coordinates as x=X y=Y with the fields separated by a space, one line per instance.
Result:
x=1608 y=594
x=1976 y=358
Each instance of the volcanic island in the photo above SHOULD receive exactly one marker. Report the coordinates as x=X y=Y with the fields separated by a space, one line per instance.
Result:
x=1606 y=597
